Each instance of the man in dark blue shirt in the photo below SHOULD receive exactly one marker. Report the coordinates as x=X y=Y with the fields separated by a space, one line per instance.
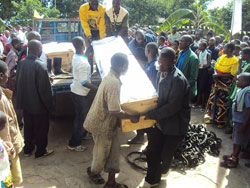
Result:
x=214 y=50
x=150 y=69
x=137 y=46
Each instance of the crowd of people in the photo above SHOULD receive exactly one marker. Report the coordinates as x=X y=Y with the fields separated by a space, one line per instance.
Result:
x=186 y=68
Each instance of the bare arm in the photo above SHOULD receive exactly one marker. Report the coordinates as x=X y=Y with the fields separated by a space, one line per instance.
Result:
x=90 y=86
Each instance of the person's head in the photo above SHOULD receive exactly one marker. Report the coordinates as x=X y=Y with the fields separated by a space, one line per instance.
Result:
x=151 y=50
x=210 y=34
x=161 y=41
x=119 y=63
x=198 y=35
x=176 y=44
x=3 y=120
x=245 y=54
x=7 y=33
x=189 y=32
x=174 y=29
x=237 y=42
x=18 y=27
x=35 y=47
x=222 y=38
x=236 y=51
x=3 y=73
x=163 y=34
x=33 y=35
x=243 y=80
x=139 y=37
x=211 y=42
x=236 y=36
x=166 y=59
x=94 y=4
x=79 y=45
x=218 y=40
x=12 y=35
x=17 y=43
x=202 y=45
x=228 y=49
x=185 y=42
x=116 y=5
x=245 y=38
x=243 y=45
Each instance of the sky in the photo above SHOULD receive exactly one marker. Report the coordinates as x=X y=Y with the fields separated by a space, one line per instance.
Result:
x=218 y=3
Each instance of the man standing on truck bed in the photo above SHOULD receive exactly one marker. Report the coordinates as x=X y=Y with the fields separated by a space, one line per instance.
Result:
x=92 y=19
x=93 y=23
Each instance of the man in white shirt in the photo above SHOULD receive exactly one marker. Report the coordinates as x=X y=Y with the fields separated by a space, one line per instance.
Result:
x=174 y=35
x=80 y=88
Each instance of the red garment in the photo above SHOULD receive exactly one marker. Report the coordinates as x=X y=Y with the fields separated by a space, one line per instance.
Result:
x=167 y=43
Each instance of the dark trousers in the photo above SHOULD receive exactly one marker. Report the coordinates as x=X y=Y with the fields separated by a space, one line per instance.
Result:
x=161 y=149
x=81 y=104
x=36 y=129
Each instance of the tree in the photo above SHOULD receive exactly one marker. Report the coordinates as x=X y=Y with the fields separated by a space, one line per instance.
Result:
x=69 y=8
x=225 y=15
x=199 y=18
x=7 y=10
x=145 y=12
x=25 y=10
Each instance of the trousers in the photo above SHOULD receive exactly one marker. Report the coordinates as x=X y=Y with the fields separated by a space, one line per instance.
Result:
x=36 y=129
x=160 y=151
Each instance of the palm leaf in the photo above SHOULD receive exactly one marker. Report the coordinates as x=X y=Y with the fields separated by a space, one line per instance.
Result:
x=174 y=17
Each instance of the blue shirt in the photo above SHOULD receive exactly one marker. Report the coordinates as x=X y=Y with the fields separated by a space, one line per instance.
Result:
x=150 y=70
x=182 y=58
x=240 y=117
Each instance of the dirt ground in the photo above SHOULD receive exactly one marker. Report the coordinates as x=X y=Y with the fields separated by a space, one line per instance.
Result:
x=67 y=169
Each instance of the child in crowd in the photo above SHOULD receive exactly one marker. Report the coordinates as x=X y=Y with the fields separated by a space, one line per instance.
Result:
x=6 y=150
x=241 y=120
x=11 y=133
x=203 y=76
x=237 y=50
x=176 y=47
x=161 y=42
x=80 y=89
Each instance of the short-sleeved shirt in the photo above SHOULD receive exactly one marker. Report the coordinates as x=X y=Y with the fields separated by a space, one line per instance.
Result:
x=99 y=120
x=227 y=65
x=240 y=117
x=81 y=73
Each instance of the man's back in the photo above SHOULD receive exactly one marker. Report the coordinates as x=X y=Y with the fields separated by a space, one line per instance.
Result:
x=33 y=86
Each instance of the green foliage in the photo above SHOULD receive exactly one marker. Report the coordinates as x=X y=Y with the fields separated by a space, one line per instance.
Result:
x=176 y=18
x=7 y=10
x=2 y=26
x=25 y=11
x=69 y=8
x=145 y=12
x=200 y=17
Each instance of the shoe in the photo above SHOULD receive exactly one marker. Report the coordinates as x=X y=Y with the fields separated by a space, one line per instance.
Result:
x=88 y=136
x=49 y=66
x=79 y=148
x=138 y=139
x=147 y=185
x=47 y=153
x=58 y=66
x=247 y=165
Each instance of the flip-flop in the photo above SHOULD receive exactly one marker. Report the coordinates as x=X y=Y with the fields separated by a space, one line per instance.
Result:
x=229 y=164
x=95 y=178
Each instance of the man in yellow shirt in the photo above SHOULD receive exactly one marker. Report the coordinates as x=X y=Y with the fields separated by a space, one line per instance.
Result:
x=92 y=19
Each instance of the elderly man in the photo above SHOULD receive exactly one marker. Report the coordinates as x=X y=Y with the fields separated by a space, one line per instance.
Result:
x=103 y=121
x=116 y=20
x=172 y=115
x=188 y=63
x=34 y=97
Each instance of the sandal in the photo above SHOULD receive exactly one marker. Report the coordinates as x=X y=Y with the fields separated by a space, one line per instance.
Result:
x=229 y=158
x=117 y=185
x=229 y=164
x=95 y=178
